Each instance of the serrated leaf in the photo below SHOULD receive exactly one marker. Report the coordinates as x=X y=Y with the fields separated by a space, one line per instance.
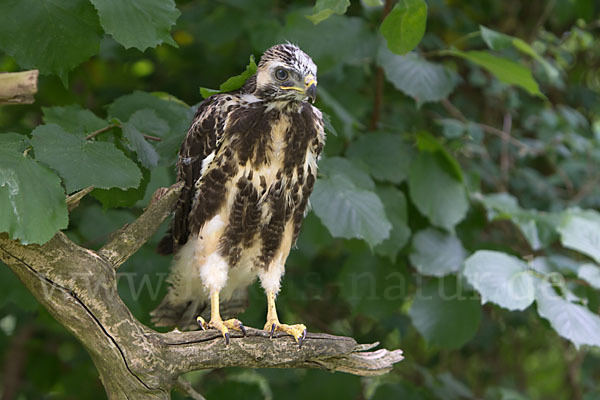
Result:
x=329 y=128
x=501 y=279
x=394 y=203
x=324 y=9
x=344 y=201
x=538 y=228
x=144 y=121
x=418 y=78
x=13 y=141
x=386 y=156
x=445 y=314
x=404 y=27
x=571 y=321
x=138 y=23
x=436 y=193
x=116 y=198
x=436 y=253
x=32 y=201
x=505 y=70
x=74 y=119
x=580 y=230
x=591 y=274
x=52 y=36
x=427 y=142
x=82 y=163
x=176 y=113
x=499 y=41
x=234 y=82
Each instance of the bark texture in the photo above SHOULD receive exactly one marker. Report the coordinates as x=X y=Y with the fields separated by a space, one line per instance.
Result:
x=78 y=287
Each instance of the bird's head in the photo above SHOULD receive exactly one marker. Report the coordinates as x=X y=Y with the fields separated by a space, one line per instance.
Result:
x=286 y=73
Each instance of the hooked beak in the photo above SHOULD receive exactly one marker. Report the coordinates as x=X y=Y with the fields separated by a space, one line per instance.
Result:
x=310 y=88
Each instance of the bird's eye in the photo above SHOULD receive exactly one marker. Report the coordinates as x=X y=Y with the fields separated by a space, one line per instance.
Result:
x=281 y=74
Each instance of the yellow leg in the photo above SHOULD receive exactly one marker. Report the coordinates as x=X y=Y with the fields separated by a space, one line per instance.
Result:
x=298 y=331
x=216 y=322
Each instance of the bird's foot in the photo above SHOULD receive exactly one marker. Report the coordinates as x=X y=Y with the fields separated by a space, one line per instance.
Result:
x=298 y=331
x=222 y=326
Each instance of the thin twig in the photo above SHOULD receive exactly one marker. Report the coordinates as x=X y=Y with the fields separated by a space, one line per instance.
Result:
x=585 y=189
x=74 y=199
x=101 y=130
x=379 y=80
x=486 y=128
x=186 y=388
x=109 y=127
x=504 y=154
x=15 y=362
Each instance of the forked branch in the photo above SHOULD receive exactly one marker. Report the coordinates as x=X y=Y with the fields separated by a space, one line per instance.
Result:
x=78 y=287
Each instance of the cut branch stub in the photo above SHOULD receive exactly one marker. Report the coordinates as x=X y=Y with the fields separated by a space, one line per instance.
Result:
x=18 y=87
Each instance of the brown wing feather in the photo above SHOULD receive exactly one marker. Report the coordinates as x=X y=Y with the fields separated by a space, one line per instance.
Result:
x=202 y=140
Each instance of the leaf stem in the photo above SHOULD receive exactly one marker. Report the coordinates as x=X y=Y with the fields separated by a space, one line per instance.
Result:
x=101 y=130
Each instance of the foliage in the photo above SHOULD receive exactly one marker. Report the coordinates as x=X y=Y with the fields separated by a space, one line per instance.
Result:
x=455 y=215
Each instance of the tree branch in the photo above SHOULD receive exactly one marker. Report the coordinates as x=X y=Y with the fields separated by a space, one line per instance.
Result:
x=131 y=237
x=78 y=287
x=18 y=87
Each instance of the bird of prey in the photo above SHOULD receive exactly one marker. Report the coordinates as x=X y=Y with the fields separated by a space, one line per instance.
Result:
x=249 y=164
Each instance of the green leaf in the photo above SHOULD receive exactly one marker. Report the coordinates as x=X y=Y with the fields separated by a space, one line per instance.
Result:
x=394 y=203
x=436 y=253
x=499 y=41
x=14 y=141
x=495 y=40
x=32 y=201
x=505 y=70
x=386 y=156
x=537 y=227
x=445 y=314
x=74 y=119
x=436 y=193
x=580 y=230
x=144 y=122
x=501 y=279
x=427 y=142
x=591 y=274
x=138 y=23
x=53 y=36
x=175 y=112
x=348 y=120
x=571 y=321
x=234 y=82
x=404 y=26
x=324 y=9
x=345 y=202
x=418 y=78
x=82 y=163
x=115 y=197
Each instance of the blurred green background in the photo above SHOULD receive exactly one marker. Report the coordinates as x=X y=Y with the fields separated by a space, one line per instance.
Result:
x=462 y=350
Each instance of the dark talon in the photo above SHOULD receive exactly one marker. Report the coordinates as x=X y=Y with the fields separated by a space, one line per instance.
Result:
x=226 y=339
x=243 y=328
x=272 y=331
x=301 y=339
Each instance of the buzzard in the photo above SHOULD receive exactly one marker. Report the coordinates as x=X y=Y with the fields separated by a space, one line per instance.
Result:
x=249 y=164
